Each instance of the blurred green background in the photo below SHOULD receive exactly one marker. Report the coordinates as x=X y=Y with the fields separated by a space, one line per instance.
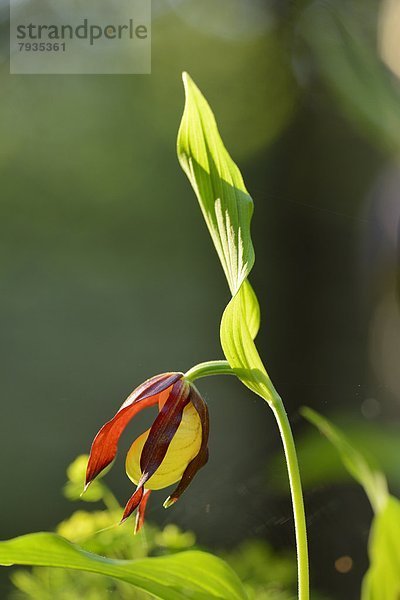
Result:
x=107 y=274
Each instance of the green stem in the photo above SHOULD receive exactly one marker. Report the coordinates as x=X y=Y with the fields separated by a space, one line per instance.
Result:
x=222 y=367
x=211 y=367
x=297 y=495
x=110 y=501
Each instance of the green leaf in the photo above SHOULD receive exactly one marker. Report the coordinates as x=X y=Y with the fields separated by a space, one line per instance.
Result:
x=319 y=461
x=251 y=309
x=348 y=61
x=226 y=205
x=382 y=581
x=193 y=574
x=227 y=209
x=362 y=469
x=237 y=329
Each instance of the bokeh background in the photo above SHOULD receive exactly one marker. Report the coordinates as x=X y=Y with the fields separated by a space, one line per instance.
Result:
x=108 y=276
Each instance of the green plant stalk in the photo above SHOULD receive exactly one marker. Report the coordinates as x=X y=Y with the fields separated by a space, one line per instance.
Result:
x=211 y=367
x=296 y=491
x=221 y=367
x=110 y=501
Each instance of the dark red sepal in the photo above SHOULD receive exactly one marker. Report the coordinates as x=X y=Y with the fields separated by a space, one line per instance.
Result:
x=104 y=447
x=202 y=457
x=163 y=430
x=160 y=436
x=141 y=511
x=132 y=503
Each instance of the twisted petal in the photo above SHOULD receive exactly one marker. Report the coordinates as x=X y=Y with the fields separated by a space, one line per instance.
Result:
x=138 y=500
x=161 y=433
x=202 y=457
x=104 y=447
x=132 y=504
x=141 y=511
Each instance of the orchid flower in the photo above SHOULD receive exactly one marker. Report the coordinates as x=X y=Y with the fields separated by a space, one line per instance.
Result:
x=171 y=451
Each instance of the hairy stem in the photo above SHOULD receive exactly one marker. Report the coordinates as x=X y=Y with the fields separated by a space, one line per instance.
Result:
x=211 y=367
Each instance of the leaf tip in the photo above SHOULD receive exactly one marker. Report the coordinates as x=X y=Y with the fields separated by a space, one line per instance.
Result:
x=189 y=85
x=307 y=413
x=186 y=79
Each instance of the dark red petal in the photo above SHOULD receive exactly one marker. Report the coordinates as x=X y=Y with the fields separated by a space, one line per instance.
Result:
x=163 y=430
x=104 y=447
x=133 y=503
x=141 y=511
x=202 y=457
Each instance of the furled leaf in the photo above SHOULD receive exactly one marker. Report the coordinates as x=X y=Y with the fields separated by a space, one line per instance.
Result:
x=226 y=205
x=238 y=345
x=251 y=309
x=193 y=574
x=382 y=581
x=359 y=466
x=227 y=209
